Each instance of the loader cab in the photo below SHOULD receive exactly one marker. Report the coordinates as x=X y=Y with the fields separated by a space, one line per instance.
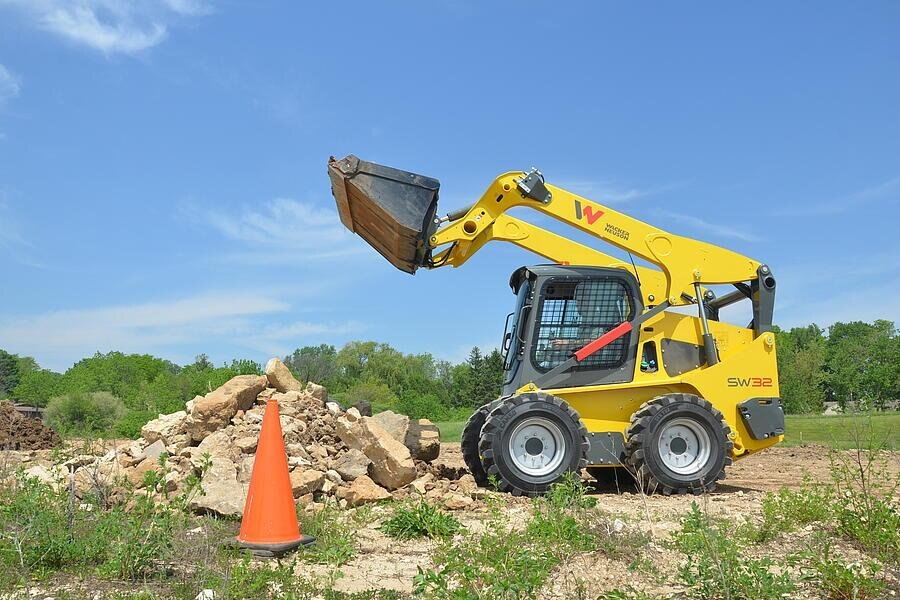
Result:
x=558 y=310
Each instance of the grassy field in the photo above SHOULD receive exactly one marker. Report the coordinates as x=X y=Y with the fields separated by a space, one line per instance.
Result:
x=837 y=431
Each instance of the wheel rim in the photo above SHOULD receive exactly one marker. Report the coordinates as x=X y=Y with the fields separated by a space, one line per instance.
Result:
x=537 y=446
x=684 y=446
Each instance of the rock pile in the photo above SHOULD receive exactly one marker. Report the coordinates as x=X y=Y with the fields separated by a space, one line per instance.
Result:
x=18 y=432
x=332 y=452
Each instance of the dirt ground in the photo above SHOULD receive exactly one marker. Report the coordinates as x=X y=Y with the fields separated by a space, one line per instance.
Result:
x=385 y=563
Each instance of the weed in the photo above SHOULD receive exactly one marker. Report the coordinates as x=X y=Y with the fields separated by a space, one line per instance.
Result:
x=714 y=567
x=334 y=539
x=625 y=593
x=866 y=509
x=839 y=580
x=42 y=530
x=786 y=510
x=420 y=519
x=504 y=562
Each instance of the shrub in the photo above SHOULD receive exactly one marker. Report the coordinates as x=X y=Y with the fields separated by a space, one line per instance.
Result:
x=420 y=519
x=377 y=394
x=866 y=507
x=423 y=406
x=81 y=413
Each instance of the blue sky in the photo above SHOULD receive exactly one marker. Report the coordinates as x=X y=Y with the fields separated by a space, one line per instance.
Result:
x=162 y=162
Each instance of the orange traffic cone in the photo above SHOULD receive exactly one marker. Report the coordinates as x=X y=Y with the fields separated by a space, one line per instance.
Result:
x=269 y=526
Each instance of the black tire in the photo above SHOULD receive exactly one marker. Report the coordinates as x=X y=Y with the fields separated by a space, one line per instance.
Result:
x=469 y=442
x=502 y=422
x=642 y=447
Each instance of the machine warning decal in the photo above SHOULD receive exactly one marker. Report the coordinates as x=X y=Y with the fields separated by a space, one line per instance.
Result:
x=589 y=212
x=617 y=231
x=749 y=382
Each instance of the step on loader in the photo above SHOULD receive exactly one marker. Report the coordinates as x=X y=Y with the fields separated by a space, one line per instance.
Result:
x=608 y=366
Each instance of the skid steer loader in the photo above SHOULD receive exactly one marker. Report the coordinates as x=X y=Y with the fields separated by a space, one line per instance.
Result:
x=602 y=369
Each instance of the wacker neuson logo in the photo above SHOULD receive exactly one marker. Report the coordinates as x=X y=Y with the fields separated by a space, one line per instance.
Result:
x=588 y=212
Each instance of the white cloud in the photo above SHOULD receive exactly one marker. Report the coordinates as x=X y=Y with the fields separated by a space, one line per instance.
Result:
x=10 y=86
x=885 y=189
x=111 y=26
x=606 y=192
x=725 y=231
x=58 y=338
x=280 y=231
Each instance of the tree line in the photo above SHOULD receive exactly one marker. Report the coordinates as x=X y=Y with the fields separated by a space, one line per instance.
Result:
x=117 y=393
x=854 y=364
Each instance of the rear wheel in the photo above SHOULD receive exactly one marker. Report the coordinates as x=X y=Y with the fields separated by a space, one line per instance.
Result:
x=678 y=443
x=530 y=441
x=469 y=442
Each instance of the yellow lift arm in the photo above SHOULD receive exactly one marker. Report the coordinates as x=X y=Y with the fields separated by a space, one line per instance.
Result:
x=684 y=261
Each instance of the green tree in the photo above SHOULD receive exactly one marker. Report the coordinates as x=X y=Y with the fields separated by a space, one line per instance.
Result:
x=863 y=363
x=313 y=363
x=9 y=373
x=37 y=387
x=801 y=361
x=117 y=373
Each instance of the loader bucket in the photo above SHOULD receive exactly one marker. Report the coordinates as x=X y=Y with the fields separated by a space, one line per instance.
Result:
x=392 y=210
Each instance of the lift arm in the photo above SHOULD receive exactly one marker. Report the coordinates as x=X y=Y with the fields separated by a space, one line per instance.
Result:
x=683 y=261
x=553 y=247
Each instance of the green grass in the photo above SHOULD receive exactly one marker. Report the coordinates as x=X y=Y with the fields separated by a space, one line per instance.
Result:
x=450 y=430
x=837 y=431
x=842 y=431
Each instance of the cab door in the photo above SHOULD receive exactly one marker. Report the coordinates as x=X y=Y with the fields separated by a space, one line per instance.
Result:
x=573 y=310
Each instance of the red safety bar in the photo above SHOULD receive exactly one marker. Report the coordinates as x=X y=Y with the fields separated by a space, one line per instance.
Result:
x=602 y=341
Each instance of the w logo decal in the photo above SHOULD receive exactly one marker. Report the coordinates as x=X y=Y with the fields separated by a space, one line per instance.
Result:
x=587 y=212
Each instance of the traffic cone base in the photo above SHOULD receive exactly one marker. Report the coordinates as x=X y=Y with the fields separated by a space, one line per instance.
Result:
x=274 y=550
x=269 y=526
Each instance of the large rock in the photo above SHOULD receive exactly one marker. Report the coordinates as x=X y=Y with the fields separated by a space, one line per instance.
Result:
x=392 y=466
x=219 y=443
x=423 y=438
x=353 y=464
x=222 y=493
x=165 y=427
x=306 y=481
x=216 y=409
x=395 y=424
x=317 y=391
x=364 y=490
x=280 y=377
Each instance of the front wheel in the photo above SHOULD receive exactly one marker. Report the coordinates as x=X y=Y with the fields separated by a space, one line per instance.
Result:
x=529 y=442
x=678 y=443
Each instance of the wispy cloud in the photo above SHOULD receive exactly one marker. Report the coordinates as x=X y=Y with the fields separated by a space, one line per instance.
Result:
x=886 y=189
x=14 y=244
x=60 y=337
x=608 y=192
x=10 y=85
x=111 y=26
x=696 y=223
x=282 y=230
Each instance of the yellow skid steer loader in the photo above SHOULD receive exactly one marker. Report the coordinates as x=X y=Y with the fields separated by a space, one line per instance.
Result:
x=599 y=372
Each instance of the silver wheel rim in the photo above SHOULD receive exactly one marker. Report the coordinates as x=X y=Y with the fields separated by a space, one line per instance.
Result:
x=684 y=446
x=537 y=446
